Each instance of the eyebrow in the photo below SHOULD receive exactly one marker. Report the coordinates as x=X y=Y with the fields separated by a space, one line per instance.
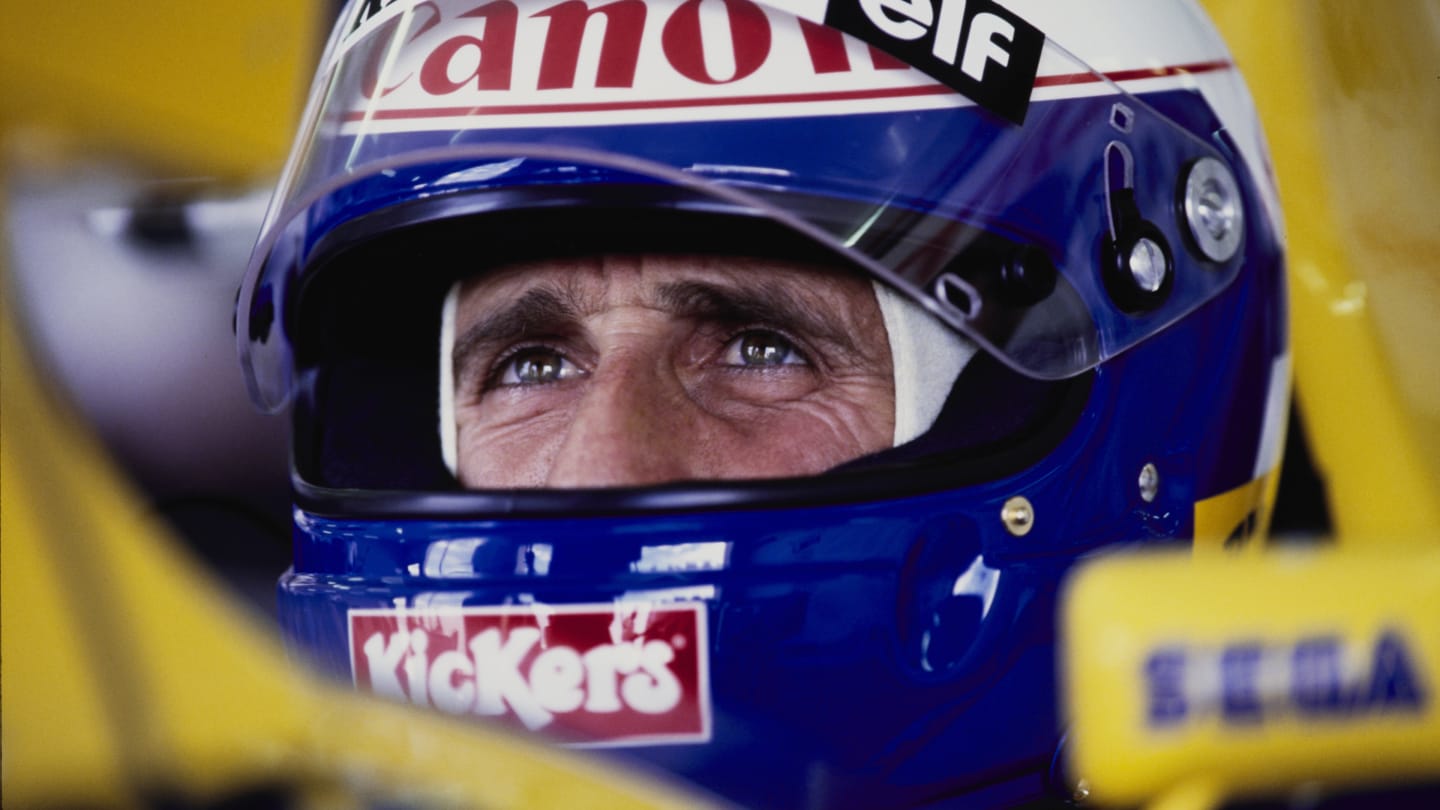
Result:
x=549 y=310
x=765 y=302
x=540 y=310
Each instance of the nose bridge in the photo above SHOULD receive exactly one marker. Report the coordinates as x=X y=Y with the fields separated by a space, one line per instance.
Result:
x=628 y=428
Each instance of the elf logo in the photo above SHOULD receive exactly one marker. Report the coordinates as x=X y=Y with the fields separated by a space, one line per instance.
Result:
x=976 y=47
x=1248 y=683
x=916 y=17
x=587 y=674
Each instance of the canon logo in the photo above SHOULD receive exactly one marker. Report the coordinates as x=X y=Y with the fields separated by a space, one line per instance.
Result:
x=437 y=64
x=487 y=46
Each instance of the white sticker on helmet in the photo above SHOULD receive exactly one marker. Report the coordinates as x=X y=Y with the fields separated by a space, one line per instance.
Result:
x=1277 y=415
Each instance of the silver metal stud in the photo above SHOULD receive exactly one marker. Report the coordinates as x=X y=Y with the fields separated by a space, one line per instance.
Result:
x=1149 y=482
x=1081 y=793
x=1018 y=516
x=1213 y=210
x=1147 y=264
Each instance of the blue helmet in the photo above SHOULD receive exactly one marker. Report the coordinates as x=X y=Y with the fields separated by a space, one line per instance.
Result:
x=1067 y=219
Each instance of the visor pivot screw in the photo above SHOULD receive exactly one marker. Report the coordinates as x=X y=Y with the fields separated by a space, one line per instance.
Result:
x=1138 y=267
x=1081 y=793
x=1147 y=265
x=1028 y=277
x=1213 y=213
x=1149 y=483
x=1018 y=516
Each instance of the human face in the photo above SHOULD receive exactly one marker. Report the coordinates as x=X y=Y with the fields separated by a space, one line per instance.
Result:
x=622 y=370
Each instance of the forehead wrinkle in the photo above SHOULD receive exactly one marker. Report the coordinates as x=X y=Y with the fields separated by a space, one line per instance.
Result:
x=536 y=309
x=564 y=295
x=574 y=291
x=762 y=301
x=542 y=309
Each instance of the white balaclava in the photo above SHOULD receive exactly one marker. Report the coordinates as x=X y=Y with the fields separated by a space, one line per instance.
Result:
x=926 y=355
x=449 y=430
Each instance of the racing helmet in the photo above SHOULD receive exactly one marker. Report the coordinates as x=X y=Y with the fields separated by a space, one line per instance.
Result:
x=1066 y=217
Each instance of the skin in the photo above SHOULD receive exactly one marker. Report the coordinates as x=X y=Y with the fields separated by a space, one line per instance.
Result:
x=622 y=370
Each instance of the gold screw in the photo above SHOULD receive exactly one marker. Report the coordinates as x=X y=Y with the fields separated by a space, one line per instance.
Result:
x=1018 y=516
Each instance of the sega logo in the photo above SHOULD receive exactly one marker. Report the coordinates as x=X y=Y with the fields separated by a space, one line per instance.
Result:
x=586 y=674
x=1250 y=682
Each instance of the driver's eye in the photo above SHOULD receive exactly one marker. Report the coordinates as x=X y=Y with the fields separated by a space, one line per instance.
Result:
x=535 y=366
x=761 y=349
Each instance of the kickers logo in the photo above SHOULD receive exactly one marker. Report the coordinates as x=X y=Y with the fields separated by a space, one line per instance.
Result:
x=587 y=674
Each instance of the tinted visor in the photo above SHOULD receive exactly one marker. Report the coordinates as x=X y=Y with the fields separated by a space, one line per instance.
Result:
x=368 y=349
x=1021 y=237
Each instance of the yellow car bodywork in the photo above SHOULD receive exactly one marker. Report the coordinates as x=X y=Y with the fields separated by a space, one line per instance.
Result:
x=1347 y=93
x=127 y=677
